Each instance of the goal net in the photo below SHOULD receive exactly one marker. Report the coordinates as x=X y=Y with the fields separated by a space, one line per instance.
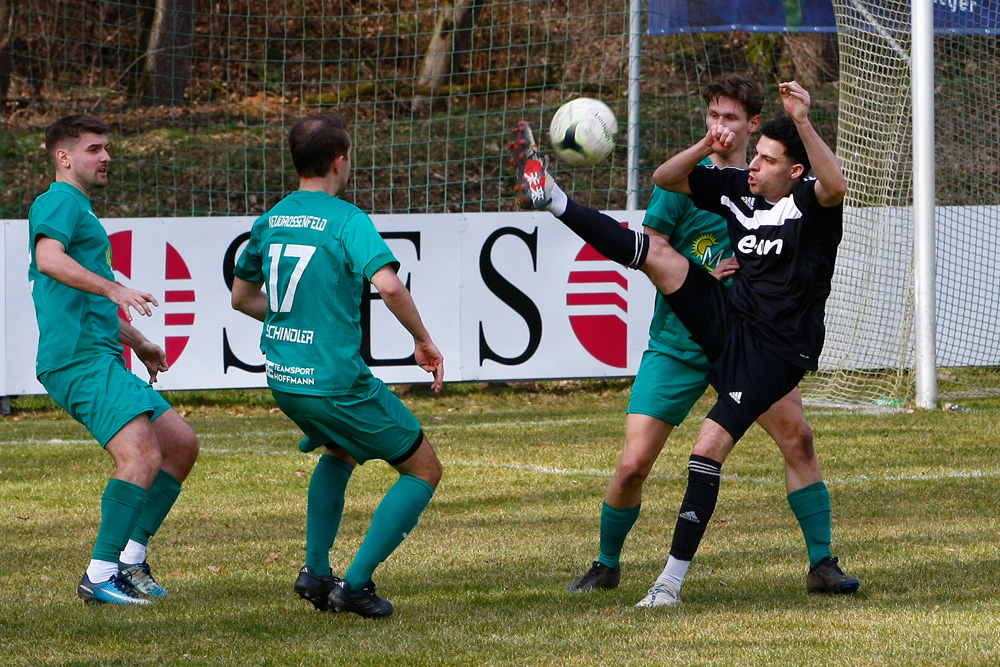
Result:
x=869 y=353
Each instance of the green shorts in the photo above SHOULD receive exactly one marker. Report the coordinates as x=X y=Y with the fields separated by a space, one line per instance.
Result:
x=103 y=395
x=669 y=382
x=370 y=422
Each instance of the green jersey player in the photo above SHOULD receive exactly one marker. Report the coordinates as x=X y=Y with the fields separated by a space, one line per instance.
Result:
x=80 y=364
x=312 y=253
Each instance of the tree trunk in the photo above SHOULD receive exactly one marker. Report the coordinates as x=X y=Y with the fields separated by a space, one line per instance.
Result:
x=6 y=53
x=168 y=58
x=437 y=61
x=814 y=56
x=451 y=43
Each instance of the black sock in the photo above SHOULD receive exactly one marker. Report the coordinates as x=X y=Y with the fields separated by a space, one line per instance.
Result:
x=697 y=508
x=617 y=243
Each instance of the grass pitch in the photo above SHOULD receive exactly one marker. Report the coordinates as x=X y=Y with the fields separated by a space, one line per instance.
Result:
x=481 y=579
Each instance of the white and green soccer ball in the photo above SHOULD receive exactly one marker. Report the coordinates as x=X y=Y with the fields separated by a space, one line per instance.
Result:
x=583 y=132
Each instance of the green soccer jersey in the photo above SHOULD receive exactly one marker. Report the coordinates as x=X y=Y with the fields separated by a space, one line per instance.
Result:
x=72 y=324
x=694 y=233
x=313 y=251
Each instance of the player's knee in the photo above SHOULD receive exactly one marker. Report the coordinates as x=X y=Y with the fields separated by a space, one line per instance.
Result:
x=137 y=460
x=148 y=458
x=434 y=472
x=798 y=442
x=424 y=464
x=182 y=446
x=429 y=471
x=150 y=454
x=633 y=471
x=189 y=448
x=804 y=438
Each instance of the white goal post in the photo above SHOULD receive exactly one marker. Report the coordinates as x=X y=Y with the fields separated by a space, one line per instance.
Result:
x=924 y=262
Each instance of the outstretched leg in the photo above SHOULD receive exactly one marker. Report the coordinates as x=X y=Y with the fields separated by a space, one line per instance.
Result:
x=653 y=255
x=540 y=192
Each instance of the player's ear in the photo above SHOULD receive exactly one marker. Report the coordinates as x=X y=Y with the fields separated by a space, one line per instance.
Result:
x=754 y=123
x=338 y=164
x=797 y=171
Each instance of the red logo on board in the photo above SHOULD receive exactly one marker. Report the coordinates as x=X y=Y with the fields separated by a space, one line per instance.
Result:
x=599 y=326
x=177 y=299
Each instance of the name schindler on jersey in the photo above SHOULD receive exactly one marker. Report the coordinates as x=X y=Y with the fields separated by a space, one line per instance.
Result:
x=288 y=334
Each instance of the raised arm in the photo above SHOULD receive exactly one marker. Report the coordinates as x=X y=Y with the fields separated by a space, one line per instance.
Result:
x=52 y=260
x=673 y=174
x=399 y=302
x=831 y=185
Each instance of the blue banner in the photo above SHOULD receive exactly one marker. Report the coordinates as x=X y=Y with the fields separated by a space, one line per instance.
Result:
x=684 y=16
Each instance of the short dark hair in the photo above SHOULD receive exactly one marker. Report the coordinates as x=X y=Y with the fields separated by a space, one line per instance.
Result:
x=744 y=90
x=783 y=131
x=71 y=127
x=316 y=141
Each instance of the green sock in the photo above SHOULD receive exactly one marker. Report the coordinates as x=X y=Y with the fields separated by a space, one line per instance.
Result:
x=326 y=507
x=159 y=499
x=811 y=505
x=121 y=505
x=394 y=518
x=615 y=526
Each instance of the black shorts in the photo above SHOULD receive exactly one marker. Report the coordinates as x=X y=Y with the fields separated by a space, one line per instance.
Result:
x=748 y=376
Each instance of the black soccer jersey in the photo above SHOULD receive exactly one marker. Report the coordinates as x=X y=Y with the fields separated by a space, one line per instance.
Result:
x=786 y=252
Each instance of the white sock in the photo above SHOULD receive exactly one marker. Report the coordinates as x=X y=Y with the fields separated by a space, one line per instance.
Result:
x=559 y=200
x=100 y=571
x=674 y=572
x=133 y=553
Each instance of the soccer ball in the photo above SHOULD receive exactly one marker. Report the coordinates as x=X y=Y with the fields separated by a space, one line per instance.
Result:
x=583 y=132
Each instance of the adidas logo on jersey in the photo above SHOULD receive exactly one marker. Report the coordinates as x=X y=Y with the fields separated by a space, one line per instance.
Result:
x=736 y=396
x=748 y=201
x=690 y=516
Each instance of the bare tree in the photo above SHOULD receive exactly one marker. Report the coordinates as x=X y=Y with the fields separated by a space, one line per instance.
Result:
x=168 y=56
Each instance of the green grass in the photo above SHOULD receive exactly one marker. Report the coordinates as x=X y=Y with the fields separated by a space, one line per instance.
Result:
x=481 y=579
